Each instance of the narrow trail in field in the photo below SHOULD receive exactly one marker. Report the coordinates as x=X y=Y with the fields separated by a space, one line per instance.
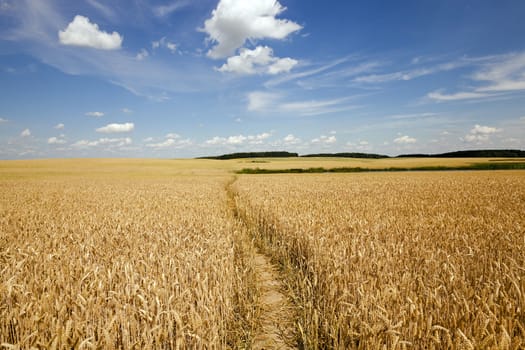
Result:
x=276 y=316
x=276 y=330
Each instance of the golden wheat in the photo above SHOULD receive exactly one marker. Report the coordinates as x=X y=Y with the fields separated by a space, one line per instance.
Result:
x=415 y=260
x=119 y=262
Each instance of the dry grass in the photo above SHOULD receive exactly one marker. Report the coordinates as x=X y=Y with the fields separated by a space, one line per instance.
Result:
x=417 y=260
x=122 y=262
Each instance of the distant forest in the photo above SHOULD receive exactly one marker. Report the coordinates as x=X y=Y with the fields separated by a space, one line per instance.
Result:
x=491 y=153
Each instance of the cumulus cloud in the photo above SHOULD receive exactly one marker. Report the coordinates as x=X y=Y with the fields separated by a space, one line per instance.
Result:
x=239 y=139
x=480 y=133
x=95 y=114
x=258 y=60
x=325 y=140
x=290 y=139
x=235 y=21
x=404 y=140
x=170 y=143
x=116 y=128
x=112 y=142
x=126 y=110
x=56 y=141
x=361 y=145
x=59 y=126
x=25 y=133
x=81 y=32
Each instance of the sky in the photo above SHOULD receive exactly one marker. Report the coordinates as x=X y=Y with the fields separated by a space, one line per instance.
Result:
x=182 y=78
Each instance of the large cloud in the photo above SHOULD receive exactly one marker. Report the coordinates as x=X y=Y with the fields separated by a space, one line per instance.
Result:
x=81 y=32
x=258 y=60
x=235 y=21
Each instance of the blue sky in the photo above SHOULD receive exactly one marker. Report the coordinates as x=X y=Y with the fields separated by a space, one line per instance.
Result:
x=181 y=78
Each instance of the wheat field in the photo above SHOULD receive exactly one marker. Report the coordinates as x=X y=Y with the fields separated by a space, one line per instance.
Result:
x=412 y=260
x=160 y=254
x=121 y=263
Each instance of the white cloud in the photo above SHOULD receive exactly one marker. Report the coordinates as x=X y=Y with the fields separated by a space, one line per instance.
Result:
x=409 y=74
x=239 y=139
x=325 y=139
x=316 y=107
x=170 y=143
x=163 y=42
x=480 y=133
x=166 y=10
x=3 y=120
x=115 y=142
x=143 y=53
x=95 y=114
x=259 y=100
x=361 y=145
x=282 y=65
x=172 y=47
x=235 y=21
x=81 y=32
x=105 y=10
x=258 y=60
x=116 y=128
x=438 y=96
x=499 y=74
x=290 y=139
x=405 y=140
x=172 y=136
x=507 y=73
x=56 y=141
x=25 y=133
x=59 y=126
x=126 y=110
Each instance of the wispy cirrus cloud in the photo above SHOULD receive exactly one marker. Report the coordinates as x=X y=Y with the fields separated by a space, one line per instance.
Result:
x=439 y=96
x=410 y=74
x=166 y=10
x=269 y=102
x=36 y=26
x=494 y=76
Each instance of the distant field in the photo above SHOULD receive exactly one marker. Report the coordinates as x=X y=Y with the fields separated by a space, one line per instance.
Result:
x=172 y=167
x=140 y=253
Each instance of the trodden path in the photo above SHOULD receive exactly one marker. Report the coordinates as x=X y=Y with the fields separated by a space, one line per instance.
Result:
x=276 y=313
